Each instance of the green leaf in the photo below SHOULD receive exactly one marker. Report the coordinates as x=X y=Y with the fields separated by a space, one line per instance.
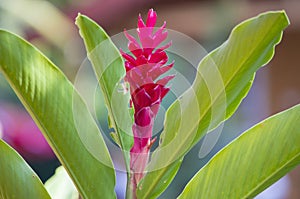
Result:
x=61 y=115
x=252 y=162
x=17 y=179
x=109 y=68
x=223 y=80
x=60 y=186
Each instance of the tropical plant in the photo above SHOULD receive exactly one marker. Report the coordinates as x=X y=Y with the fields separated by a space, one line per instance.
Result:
x=242 y=169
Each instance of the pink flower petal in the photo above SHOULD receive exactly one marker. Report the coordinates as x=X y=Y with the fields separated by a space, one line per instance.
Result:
x=143 y=117
x=157 y=71
x=141 y=98
x=164 y=47
x=128 y=57
x=158 y=57
x=160 y=35
x=133 y=45
x=165 y=80
x=151 y=19
x=164 y=92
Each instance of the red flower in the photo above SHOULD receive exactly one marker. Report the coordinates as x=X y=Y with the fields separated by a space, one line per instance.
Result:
x=143 y=67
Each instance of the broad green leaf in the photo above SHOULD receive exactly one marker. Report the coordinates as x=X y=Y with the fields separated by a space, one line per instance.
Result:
x=60 y=185
x=252 y=162
x=223 y=80
x=61 y=115
x=109 y=68
x=17 y=179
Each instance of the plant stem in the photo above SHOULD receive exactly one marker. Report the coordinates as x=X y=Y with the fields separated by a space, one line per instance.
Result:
x=131 y=187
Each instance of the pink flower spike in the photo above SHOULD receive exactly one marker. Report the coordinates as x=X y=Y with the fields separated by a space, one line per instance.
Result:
x=147 y=63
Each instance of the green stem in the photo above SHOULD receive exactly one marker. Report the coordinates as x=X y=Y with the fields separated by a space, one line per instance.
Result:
x=131 y=187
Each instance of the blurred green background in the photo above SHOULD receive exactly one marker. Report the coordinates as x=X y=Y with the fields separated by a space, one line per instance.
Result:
x=50 y=26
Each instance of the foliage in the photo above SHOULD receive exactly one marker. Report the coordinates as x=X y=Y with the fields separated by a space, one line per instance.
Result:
x=248 y=164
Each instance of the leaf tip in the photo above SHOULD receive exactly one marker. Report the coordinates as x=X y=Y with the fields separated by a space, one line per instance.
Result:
x=284 y=14
x=79 y=18
x=79 y=15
